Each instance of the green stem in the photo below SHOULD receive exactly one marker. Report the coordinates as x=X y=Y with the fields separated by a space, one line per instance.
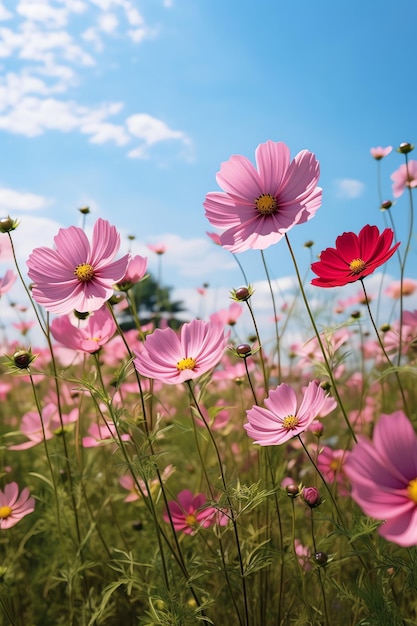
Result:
x=319 y=340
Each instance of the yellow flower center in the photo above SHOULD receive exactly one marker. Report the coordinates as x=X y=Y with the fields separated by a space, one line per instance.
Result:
x=186 y=364
x=266 y=204
x=191 y=520
x=84 y=272
x=5 y=511
x=412 y=490
x=357 y=266
x=290 y=422
x=335 y=465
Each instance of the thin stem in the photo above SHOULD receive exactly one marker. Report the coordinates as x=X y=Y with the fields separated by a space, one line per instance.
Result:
x=320 y=342
x=383 y=347
x=232 y=513
x=275 y=315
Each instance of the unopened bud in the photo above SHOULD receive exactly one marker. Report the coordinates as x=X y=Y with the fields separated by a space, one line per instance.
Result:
x=244 y=349
x=405 y=147
x=311 y=497
x=321 y=558
x=387 y=204
x=7 y=224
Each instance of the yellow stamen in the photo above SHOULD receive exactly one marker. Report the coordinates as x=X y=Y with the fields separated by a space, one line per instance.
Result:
x=266 y=204
x=335 y=465
x=186 y=364
x=357 y=266
x=290 y=422
x=191 y=519
x=5 y=511
x=412 y=490
x=84 y=272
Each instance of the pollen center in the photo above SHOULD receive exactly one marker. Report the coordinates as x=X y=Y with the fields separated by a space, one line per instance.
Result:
x=5 y=511
x=191 y=519
x=84 y=272
x=290 y=422
x=266 y=204
x=412 y=490
x=357 y=266
x=186 y=364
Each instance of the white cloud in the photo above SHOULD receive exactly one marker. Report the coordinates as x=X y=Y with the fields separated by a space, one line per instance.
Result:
x=49 y=57
x=108 y=22
x=152 y=131
x=349 y=188
x=12 y=200
x=42 y=11
x=4 y=13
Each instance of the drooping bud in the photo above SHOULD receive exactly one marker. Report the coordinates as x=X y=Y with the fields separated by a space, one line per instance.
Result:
x=387 y=204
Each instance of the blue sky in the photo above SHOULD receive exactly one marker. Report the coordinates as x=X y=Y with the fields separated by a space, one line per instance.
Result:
x=130 y=106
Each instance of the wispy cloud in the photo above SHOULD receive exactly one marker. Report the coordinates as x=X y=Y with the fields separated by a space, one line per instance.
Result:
x=349 y=188
x=12 y=200
x=48 y=54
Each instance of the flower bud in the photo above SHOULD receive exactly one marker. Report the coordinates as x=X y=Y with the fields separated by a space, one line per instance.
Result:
x=244 y=350
x=293 y=490
x=242 y=293
x=355 y=315
x=385 y=328
x=321 y=558
x=20 y=360
x=7 y=224
x=387 y=204
x=81 y=316
x=85 y=210
x=309 y=244
x=316 y=427
x=405 y=147
x=311 y=497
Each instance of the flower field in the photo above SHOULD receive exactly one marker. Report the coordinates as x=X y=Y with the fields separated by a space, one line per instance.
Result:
x=160 y=474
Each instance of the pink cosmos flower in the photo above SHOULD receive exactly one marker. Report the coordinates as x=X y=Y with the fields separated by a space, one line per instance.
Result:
x=158 y=248
x=7 y=281
x=228 y=316
x=91 y=334
x=354 y=257
x=189 y=514
x=31 y=426
x=303 y=555
x=331 y=464
x=24 y=327
x=394 y=288
x=403 y=178
x=379 y=153
x=101 y=434
x=259 y=205
x=215 y=237
x=135 y=272
x=284 y=417
x=128 y=483
x=383 y=473
x=14 y=506
x=176 y=358
x=76 y=274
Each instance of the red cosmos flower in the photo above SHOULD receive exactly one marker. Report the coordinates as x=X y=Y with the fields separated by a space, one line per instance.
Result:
x=354 y=257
